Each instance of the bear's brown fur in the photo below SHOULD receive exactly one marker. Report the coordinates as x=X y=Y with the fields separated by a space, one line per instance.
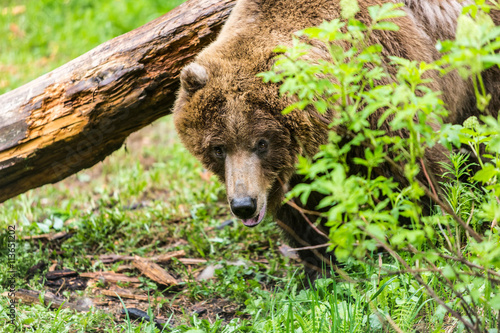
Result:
x=230 y=120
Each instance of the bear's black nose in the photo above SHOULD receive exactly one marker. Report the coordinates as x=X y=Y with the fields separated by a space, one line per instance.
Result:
x=244 y=208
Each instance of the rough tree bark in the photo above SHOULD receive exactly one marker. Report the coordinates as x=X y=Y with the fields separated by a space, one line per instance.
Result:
x=76 y=115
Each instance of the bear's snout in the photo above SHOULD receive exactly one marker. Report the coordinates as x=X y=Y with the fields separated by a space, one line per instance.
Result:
x=244 y=208
x=246 y=186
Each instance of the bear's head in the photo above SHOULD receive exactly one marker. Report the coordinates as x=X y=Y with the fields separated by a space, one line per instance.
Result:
x=233 y=123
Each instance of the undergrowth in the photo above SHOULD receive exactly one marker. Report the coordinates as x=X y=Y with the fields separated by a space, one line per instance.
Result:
x=152 y=197
x=449 y=242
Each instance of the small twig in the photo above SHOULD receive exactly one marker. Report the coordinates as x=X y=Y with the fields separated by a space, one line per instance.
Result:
x=452 y=327
x=377 y=313
x=300 y=209
x=388 y=272
x=62 y=285
x=470 y=264
x=480 y=275
x=393 y=324
x=428 y=193
x=444 y=206
x=307 y=220
x=465 y=305
x=320 y=246
x=463 y=261
x=303 y=212
x=445 y=236
x=327 y=261
x=431 y=183
x=302 y=242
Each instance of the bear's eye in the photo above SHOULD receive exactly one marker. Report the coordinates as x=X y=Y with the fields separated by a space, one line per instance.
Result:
x=262 y=146
x=218 y=152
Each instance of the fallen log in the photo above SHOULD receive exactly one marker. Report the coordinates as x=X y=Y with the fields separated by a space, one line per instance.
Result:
x=76 y=115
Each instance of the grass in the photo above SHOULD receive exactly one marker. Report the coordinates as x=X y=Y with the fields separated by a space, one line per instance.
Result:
x=152 y=197
x=39 y=35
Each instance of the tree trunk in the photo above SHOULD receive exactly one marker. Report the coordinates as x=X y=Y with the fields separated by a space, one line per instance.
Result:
x=76 y=115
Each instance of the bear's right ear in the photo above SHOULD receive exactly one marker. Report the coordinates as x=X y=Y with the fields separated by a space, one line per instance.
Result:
x=193 y=78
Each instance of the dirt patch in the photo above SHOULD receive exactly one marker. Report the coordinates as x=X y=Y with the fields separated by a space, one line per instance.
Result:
x=172 y=304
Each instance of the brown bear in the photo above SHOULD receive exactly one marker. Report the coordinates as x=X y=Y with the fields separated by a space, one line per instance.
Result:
x=233 y=122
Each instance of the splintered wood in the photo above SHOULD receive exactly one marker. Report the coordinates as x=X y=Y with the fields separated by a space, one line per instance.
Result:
x=162 y=258
x=129 y=294
x=110 y=277
x=76 y=115
x=154 y=271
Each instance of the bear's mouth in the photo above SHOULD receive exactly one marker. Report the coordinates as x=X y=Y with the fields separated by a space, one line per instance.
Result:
x=257 y=219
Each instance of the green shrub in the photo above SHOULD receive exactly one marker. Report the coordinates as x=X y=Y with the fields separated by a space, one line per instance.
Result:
x=457 y=244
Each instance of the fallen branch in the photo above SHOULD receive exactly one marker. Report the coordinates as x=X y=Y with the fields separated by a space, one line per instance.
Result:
x=162 y=258
x=110 y=277
x=154 y=271
x=128 y=294
x=76 y=115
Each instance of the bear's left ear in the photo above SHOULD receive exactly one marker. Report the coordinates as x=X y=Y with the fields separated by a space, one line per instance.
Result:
x=193 y=78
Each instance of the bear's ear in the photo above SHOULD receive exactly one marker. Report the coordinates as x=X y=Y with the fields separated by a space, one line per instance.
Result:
x=193 y=77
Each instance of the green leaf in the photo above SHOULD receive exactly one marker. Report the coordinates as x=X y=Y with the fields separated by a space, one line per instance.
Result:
x=486 y=174
x=385 y=25
x=28 y=321
x=376 y=231
x=491 y=58
x=58 y=223
x=44 y=227
x=448 y=272
x=382 y=288
x=386 y=11
x=450 y=134
x=495 y=302
x=432 y=257
x=494 y=145
x=349 y=8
